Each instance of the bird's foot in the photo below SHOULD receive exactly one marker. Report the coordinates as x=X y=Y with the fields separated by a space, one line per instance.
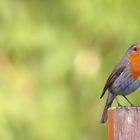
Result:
x=119 y=105
x=132 y=105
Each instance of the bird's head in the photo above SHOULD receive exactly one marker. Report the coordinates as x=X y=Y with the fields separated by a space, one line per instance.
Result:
x=134 y=52
x=134 y=57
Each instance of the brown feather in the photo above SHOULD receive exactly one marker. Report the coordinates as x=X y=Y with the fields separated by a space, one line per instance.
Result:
x=114 y=75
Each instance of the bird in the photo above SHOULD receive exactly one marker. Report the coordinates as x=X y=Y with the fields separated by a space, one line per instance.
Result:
x=124 y=79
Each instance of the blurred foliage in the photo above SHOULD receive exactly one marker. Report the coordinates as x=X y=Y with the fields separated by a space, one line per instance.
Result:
x=55 y=56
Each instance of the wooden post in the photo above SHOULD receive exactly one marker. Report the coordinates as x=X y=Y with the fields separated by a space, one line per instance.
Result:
x=124 y=123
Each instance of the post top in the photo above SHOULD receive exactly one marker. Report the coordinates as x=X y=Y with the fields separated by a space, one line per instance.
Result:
x=124 y=123
x=124 y=108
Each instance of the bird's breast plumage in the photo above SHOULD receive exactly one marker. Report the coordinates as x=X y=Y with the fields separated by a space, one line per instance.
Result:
x=134 y=59
x=125 y=83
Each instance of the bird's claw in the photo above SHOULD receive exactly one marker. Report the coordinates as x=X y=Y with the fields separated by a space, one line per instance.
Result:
x=119 y=105
x=132 y=105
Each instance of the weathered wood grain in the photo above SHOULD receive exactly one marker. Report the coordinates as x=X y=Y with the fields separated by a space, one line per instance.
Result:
x=124 y=123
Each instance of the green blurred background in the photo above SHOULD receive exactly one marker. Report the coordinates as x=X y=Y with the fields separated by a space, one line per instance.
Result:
x=55 y=56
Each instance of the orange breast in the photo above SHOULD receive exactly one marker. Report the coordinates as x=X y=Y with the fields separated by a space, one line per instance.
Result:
x=135 y=64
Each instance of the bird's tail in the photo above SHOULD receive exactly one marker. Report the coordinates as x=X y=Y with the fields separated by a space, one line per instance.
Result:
x=109 y=101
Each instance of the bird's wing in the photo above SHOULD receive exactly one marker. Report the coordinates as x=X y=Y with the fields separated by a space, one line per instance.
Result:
x=114 y=75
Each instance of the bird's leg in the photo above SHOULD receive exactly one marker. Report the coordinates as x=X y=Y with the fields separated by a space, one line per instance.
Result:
x=118 y=101
x=128 y=100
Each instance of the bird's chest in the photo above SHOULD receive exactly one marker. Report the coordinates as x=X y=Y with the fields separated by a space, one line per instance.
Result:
x=134 y=65
x=135 y=70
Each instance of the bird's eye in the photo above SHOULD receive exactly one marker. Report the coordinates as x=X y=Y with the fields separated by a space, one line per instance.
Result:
x=135 y=49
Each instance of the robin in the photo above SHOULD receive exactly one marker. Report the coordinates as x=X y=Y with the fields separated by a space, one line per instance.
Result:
x=124 y=79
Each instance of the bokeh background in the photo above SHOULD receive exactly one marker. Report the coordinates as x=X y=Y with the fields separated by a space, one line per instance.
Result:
x=55 y=56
